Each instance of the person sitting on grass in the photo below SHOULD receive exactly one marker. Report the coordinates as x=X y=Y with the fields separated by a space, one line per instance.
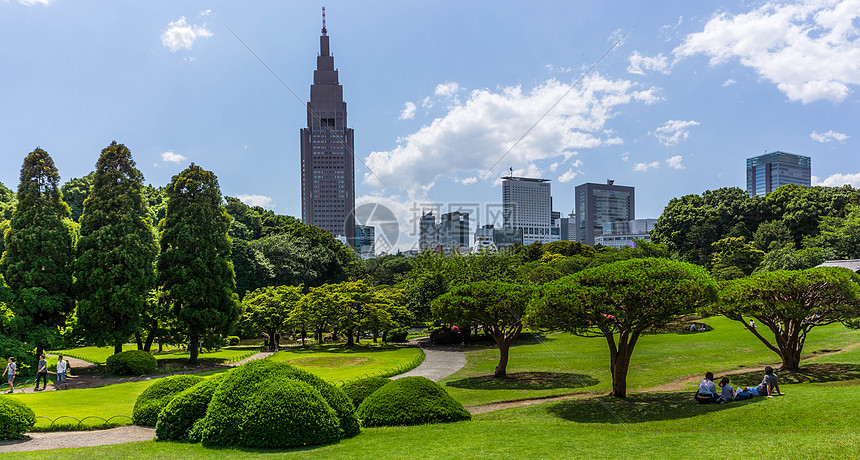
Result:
x=10 y=373
x=728 y=393
x=707 y=393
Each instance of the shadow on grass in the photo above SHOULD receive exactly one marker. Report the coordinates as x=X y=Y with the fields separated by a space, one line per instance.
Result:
x=526 y=381
x=810 y=373
x=340 y=348
x=637 y=408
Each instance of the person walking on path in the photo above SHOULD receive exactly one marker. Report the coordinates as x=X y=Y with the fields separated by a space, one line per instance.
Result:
x=62 y=365
x=42 y=372
x=10 y=373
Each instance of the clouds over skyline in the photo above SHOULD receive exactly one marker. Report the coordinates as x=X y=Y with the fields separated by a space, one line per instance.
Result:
x=810 y=49
x=639 y=64
x=172 y=157
x=474 y=134
x=408 y=112
x=256 y=200
x=838 y=180
x=181 y=36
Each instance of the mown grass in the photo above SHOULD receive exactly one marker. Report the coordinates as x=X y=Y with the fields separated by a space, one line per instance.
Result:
x=803 y=424
x=98 y=355
x=572 y=364
x=338 y=363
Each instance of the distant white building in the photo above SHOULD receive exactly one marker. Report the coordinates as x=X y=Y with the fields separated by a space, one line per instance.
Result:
x=527 y=206
x=851 y=264
x=621 y=234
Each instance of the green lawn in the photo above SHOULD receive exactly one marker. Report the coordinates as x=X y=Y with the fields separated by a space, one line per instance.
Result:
x=337 y=363
x=563 y=364
x=98 y=355
x=803 y=424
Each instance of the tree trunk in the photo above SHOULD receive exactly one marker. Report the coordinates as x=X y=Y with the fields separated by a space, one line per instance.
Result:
x=117 y=347
x=193 y=348
x=375 y=335
x=39 y=350
x=138 y=340
x=147 y=346
x=501 y=369
x=790 y=360
x=304 y=333
x=349 y=338
x=619 y=375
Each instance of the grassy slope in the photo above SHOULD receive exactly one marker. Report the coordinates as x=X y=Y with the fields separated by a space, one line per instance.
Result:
x=99 y=355
x=338 y=363
x=803 y=424
x=581 y=365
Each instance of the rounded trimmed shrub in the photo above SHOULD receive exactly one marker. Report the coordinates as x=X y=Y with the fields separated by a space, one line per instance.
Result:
x=232 y=340
x=395 y=335
x=179 y=415
x=361 y=389
x=244 y=401
x=16 y=418
x=132 y=362
x=158 y=395
x=410 y=401
x=290 y=413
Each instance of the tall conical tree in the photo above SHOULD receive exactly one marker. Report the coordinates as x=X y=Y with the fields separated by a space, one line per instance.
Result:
x=194 y=267
x=115 y=269
x=40 y=253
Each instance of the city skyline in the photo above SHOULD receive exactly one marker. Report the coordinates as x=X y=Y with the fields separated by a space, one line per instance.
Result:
x=444 y=102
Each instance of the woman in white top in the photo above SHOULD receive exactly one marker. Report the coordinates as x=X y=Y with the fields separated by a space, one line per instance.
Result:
x=10 y=373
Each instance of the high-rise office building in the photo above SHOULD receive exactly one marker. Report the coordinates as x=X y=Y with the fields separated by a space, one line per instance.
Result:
x=365 y=241
x=766 y=173
x=597 y=204
x=453 y=232
x=527 y=205
x=328 y=180
x=427 y=237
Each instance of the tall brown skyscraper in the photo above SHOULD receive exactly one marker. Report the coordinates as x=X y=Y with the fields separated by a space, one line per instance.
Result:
x=328 y=178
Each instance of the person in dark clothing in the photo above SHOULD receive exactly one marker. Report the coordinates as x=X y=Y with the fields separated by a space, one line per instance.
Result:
x=42 y=373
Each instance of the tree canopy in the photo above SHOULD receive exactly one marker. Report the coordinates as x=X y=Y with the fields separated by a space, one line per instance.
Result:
x=792 y=303
x=621 y=300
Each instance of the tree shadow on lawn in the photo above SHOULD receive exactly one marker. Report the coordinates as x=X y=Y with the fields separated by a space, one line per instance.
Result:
x=638 y=408
x=810 y=373
x=526 y=381
x=340 y=348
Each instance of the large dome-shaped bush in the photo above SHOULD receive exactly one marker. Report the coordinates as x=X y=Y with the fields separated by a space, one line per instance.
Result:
x=177 y=417
x=15 y=418
x=158 y=395
x=359 y=390
x=410 y=401
x=132 y=362
x=243 y=401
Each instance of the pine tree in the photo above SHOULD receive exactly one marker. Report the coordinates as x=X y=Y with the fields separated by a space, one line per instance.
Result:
x=115 y=269
x=40 y=251
x=194 y=267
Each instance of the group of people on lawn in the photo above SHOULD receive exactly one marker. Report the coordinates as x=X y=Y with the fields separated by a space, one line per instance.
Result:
x=708 y=393
x=41 y=372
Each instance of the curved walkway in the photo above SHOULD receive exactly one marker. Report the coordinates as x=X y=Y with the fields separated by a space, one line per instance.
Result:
x=439 y=362
x=68 y=439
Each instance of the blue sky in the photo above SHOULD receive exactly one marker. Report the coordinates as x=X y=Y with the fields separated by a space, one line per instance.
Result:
x=438 y=93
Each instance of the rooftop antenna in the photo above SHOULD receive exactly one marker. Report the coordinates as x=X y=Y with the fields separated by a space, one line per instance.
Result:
x=323 y=29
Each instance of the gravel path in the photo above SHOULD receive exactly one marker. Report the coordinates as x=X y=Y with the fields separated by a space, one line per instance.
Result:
x=68 y=439
x=439 y=362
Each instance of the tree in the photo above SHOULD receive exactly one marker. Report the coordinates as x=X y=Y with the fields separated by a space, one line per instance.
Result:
x=735 y=258
x=790 y=304
x=268 y=309
x=839 y=235
x=40 y=252
x=75 y=192
x=497 y=307
x=387 y=311
x=788 y=258
x=7 y=207
x=194 y=267
x=620 y=301
x=772 y=235
x=115 y=268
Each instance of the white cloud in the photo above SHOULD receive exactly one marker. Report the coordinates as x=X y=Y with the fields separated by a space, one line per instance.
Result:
x=838 y=180
x=809 y=48
x=469 y=180
x=447 y=89
x=675 y=162
x=639 y=63
x=829 y=136
x=171 y=157
x=642 y=167
x=205 y=12
x=35 y=2
x=180 y=35
x=475 y=134
x=729 y=82
x=262 y=201
x=674 y=131
x=625 y=156
x=408 y=112
x=568 y=176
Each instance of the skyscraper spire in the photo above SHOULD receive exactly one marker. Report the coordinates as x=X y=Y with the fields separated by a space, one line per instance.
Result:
x=323 y=29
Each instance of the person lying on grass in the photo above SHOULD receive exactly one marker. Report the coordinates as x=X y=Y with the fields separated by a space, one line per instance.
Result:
x=769 y=383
